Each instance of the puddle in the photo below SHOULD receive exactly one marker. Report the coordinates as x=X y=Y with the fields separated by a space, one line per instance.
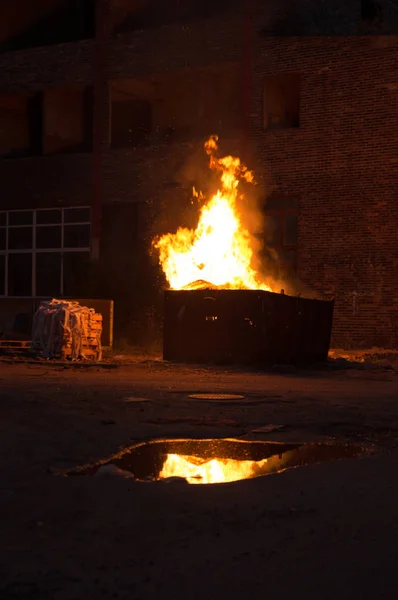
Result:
x=214 y=460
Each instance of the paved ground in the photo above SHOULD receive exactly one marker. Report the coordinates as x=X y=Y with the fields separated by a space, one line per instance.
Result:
x=320 y=532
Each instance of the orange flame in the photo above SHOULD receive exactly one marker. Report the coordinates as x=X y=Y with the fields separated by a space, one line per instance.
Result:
x=197 y=470
x=218 y=251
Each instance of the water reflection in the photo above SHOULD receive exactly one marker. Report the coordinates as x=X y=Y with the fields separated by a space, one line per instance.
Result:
x=216 y=460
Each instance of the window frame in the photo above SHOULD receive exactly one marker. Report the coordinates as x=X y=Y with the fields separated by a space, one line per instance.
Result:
x=274 y=77
x=34 y=251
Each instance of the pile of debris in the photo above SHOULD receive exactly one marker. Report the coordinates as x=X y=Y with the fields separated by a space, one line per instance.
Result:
x=66 y=330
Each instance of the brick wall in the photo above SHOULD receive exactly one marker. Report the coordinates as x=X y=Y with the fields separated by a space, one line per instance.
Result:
x=50 y=66
x=196 y=45
x=342 y=162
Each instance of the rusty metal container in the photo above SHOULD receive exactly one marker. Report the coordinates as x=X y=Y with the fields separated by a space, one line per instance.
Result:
x=245 y=327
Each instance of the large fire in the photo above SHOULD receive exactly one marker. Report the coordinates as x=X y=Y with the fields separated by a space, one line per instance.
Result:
x=216 y=470
x=218 y=252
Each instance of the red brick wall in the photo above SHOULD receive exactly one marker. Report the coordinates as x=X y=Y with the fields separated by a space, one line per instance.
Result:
x=50 y=66
x=128 y=55
x=342 y=162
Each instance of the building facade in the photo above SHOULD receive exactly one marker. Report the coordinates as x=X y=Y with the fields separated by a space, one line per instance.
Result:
x=104 y=107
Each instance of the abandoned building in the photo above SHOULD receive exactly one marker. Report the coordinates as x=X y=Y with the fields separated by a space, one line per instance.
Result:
x=104 y=108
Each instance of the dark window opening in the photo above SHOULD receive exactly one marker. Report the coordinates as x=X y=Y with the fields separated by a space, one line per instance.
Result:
x=68 y=120
x=281 y=232
x=281 y=102
x=21 y=124
x=46 y=22
x=371 y=11
x=57 y=120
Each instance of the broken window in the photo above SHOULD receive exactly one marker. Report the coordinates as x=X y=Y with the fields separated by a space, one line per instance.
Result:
x=371 y=11
x=43 y=252
x=281 y=102
x=68 y=121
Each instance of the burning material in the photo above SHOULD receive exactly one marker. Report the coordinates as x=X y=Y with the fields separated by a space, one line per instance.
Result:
x=218 y=253
x=241 y=320
x=63 y=329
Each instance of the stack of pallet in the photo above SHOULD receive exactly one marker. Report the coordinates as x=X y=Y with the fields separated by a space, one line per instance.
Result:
x=66 y=330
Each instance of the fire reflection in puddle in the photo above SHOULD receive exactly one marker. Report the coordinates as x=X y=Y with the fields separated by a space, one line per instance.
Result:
x=214 y=460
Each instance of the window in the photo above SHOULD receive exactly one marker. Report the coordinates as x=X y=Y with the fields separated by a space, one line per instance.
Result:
x=176 y=106
x=281 y=230
x=20 y=125
x=44 y=252
x=281 y=102
x=67 y=119
x=52 y=121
